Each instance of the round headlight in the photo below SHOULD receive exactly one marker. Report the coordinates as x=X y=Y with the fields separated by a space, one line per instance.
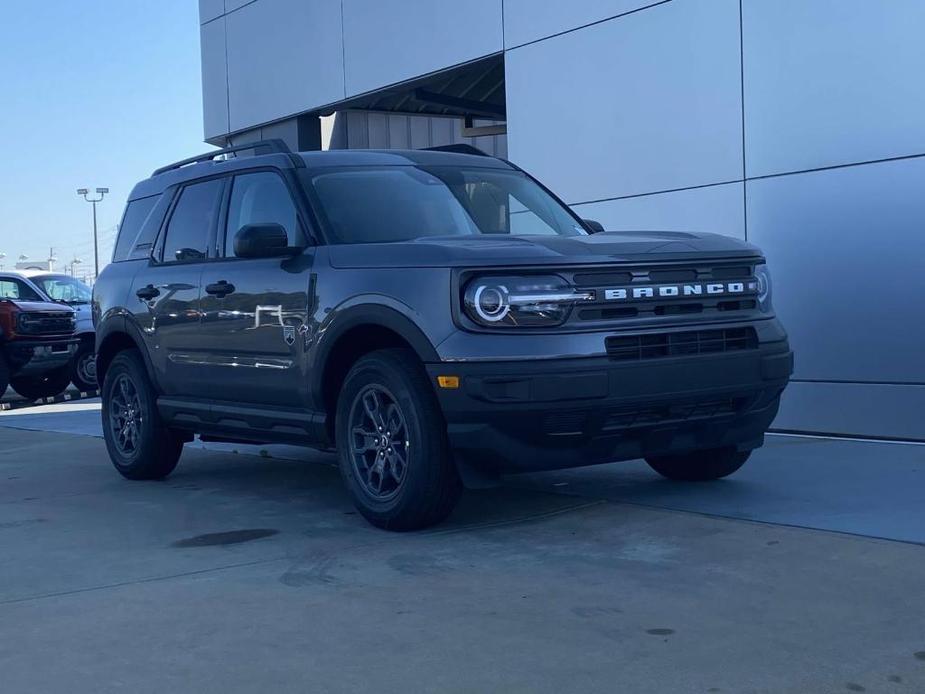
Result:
x=527 y=301
x=491 y=303
x=763 y=276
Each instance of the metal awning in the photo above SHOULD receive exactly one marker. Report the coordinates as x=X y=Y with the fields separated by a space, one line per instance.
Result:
x=471 y=90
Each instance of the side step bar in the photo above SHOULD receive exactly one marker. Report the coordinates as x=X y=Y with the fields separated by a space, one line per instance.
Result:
x=255 y=424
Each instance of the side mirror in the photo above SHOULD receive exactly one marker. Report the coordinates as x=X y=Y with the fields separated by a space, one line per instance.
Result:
x=593 y=226
x=264 y=240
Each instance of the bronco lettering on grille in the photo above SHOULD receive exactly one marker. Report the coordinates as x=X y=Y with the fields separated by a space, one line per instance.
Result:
x=668 y=291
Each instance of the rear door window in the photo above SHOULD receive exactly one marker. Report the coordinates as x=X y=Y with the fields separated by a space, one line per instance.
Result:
x=190 y=225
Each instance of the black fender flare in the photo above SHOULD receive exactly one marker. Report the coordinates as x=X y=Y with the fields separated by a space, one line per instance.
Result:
x=121 y=325
x=378 y=315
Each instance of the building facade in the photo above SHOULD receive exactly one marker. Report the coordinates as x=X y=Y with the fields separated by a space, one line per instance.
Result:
x=798 y=125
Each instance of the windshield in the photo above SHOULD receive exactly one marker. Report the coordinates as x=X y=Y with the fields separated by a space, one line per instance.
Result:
x=13 y=288
x=68 y=290
x=399 y=203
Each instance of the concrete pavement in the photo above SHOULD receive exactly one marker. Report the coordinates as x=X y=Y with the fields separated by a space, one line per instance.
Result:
x=870 y=488
x=243 y=573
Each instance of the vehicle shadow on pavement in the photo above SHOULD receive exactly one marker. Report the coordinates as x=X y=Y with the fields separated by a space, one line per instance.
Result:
x=315 y=481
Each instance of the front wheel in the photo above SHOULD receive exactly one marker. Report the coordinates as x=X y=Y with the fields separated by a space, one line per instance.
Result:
x=139 y=445
x=83 y=367
x=42 y=385
x=392 y=445
x=699 y=466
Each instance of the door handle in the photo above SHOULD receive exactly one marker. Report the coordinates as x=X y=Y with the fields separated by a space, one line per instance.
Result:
x=220 y=288
x=148 y=293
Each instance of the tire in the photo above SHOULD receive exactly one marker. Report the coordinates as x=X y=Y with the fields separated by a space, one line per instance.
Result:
x=139 y=445
x=83 y=367
x=42 y=385
x=699 y=466
x=417 y=481
x=4 y=375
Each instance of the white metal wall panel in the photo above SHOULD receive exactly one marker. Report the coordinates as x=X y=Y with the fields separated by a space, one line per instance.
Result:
x=832 y=82
x=388 y=41
x=716 y=209
x=643 y=103
x=845 y=247
x=210 y=9
x=398 y=131
x=214 y=79
x=284 y=57
x=855 y=409
x=530 y=20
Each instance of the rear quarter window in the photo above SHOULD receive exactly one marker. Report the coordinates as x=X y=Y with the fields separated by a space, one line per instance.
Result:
x=136 y=233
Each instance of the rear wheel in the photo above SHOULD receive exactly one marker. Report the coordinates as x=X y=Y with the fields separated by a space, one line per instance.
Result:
x=139 y=445
x=392 y=445
x=698 y=466
x=42 y=385
x=83 y=367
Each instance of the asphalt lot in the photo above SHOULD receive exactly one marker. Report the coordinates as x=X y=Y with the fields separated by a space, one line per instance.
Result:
x=250 y=571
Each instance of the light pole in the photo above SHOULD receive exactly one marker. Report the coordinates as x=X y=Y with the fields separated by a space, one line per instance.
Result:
x=75 y=261
x=2 y=256
x=96 y=252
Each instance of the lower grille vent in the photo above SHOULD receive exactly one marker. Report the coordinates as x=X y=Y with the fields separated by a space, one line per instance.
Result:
x=659 y=345
x=648 y=416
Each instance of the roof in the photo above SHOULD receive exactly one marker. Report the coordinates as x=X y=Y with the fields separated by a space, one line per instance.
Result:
x=313 y=160
x=398 y=157
x=32 y=272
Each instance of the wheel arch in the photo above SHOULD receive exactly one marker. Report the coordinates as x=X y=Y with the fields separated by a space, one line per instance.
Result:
x=355 y=333
x=117 y=339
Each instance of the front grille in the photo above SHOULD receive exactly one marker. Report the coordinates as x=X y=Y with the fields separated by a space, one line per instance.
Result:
x=579 y=422
x=663 y=414
x=680 y=344
x=604 y=310
x=49 y=323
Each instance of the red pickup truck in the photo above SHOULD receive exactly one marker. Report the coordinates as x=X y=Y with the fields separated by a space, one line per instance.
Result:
x=36 y=341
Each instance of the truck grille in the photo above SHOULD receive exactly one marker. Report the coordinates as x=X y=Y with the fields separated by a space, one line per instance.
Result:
x=577 y=422
x=680 y=344
x=605 y=311
x=46 y=323
x=663 y=414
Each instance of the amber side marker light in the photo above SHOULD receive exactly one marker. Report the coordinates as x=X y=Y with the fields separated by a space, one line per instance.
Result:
x=448 y=381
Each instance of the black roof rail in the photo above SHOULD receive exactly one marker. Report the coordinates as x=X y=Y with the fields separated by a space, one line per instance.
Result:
x=275 y=146
x=459 y=149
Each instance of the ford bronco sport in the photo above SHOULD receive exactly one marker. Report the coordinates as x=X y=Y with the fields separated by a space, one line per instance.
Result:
x=438 y=317
x=36 y=340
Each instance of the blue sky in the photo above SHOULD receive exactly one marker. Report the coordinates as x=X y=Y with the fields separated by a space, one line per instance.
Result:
x=95 y=93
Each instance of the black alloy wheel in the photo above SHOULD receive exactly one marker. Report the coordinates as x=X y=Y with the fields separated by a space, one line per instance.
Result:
x=125 y=415
x=379 y=445
x=140 y=446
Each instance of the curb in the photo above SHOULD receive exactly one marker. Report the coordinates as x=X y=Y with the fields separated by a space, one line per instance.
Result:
x=63 y=397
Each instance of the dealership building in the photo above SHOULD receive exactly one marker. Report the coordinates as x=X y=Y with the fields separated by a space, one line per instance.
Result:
x=798 y=125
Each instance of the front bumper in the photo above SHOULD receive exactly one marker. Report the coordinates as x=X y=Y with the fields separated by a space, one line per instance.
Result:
x=35 y=356
x=542 y=415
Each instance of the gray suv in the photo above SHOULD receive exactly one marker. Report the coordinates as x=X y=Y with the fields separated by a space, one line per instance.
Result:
x=437 y=316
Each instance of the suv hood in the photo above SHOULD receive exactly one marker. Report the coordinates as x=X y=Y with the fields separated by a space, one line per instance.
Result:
x=39 y=306
x=604 y=247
